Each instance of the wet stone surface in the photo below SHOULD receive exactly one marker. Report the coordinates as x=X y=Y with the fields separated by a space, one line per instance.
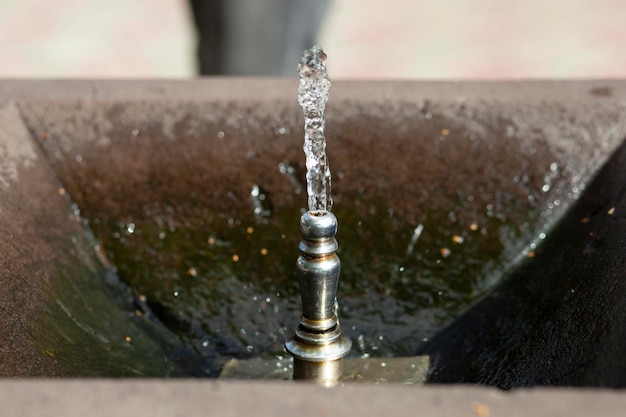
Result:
x=195 y=207
x=224 y=282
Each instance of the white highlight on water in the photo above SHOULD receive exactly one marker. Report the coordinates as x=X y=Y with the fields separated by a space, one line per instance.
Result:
x=416 y=235
x=312 y=96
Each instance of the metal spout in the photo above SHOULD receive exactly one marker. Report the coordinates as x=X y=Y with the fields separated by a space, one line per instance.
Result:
x=318 y=345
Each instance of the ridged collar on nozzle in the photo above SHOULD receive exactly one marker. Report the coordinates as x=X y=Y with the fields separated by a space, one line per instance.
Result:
x=318 y=233
x=318 y=225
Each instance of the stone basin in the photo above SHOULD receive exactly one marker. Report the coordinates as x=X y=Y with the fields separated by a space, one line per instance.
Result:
x=480 y=223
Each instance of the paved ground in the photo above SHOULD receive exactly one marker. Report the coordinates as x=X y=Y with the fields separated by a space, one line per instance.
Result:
x=477 y=38
x=192 y=398
x=91 y=38
x=364 y=38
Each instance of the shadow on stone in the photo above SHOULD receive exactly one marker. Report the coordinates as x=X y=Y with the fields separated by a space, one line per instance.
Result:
x=560 y=317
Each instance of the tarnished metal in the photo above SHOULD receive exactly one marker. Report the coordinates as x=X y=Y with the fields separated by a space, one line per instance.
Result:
x=318 y=345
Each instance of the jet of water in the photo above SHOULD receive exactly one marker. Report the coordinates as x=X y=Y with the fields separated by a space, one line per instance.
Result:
x=312 y=96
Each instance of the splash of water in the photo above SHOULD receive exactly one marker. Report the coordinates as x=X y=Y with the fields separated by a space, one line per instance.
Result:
x=312 y=96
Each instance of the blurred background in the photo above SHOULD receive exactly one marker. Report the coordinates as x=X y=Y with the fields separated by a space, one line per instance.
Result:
x=399 y=39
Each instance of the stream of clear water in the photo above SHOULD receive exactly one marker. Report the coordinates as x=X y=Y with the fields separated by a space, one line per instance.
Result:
x=312 y=96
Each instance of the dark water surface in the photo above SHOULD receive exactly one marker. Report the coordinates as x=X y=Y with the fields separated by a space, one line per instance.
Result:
x=229 y=289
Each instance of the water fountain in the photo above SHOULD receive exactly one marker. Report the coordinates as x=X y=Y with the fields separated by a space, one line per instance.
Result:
x=100 y=182
x=318 y=346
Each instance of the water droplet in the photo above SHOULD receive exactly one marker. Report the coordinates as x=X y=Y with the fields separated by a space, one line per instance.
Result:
x=417 y=232
x=550 y=177
x=130 y=228
x=220 y=135
x=258 y=197
x=361 y=342
x=135 y=132
x=285 y=168
x=205 y=343
x=176 y=293
x=249 y=348
x=79 y=158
